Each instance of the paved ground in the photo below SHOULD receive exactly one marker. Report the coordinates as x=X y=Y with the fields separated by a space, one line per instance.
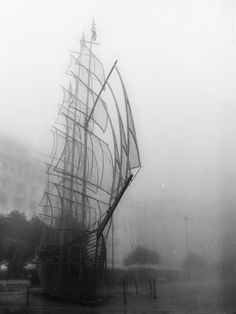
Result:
x=196 y=297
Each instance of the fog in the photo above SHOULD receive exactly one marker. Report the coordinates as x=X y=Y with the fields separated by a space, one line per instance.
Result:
x=178 y=60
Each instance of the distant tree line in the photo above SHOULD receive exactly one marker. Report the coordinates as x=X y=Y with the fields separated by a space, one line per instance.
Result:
x=141 y=255
x=193 y=260
x=19 y=239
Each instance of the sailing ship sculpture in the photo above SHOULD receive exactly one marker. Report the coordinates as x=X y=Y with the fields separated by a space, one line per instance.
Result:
x=94 y=158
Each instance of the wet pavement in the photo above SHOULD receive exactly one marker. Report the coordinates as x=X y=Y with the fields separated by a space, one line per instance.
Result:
x=210 y=296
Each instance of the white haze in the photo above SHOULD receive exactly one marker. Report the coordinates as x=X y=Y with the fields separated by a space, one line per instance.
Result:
x=178 y=61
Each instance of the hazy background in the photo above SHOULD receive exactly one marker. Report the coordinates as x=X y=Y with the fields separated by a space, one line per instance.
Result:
x=178 y=60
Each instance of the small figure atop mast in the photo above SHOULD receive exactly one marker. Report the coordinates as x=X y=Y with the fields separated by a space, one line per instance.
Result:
x=93 y=31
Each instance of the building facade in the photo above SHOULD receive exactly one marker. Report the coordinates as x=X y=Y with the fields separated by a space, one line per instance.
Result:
x=22 y=177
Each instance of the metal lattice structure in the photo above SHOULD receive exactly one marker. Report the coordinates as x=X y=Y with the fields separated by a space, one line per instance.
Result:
x=94 y=158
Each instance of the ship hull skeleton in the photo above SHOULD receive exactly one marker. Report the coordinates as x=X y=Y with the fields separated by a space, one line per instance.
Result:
x=94 y=158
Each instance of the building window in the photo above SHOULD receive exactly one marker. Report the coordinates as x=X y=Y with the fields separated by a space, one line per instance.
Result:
x=32 y=205
x=3 y=198
x=19 y=203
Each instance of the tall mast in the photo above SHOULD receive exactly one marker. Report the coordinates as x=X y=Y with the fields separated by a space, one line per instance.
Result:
x=72 y=155
x=93 y=37
x=64 y=182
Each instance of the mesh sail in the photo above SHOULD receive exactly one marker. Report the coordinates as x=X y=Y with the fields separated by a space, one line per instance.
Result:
x=94 y=152
x=133 y=151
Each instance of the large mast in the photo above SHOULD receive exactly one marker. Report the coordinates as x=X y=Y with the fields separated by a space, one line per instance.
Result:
x=93 y=37
x=64 y=182
x=70 y=214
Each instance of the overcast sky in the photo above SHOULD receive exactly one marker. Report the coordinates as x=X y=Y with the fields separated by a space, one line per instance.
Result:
x=178 y=60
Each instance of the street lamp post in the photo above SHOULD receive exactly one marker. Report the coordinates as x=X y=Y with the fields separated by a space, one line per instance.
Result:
x=186 y=235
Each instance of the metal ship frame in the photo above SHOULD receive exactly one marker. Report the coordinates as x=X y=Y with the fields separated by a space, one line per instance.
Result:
x=94 y=158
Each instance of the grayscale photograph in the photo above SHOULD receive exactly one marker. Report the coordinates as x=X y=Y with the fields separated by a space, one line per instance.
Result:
x=118 y=157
